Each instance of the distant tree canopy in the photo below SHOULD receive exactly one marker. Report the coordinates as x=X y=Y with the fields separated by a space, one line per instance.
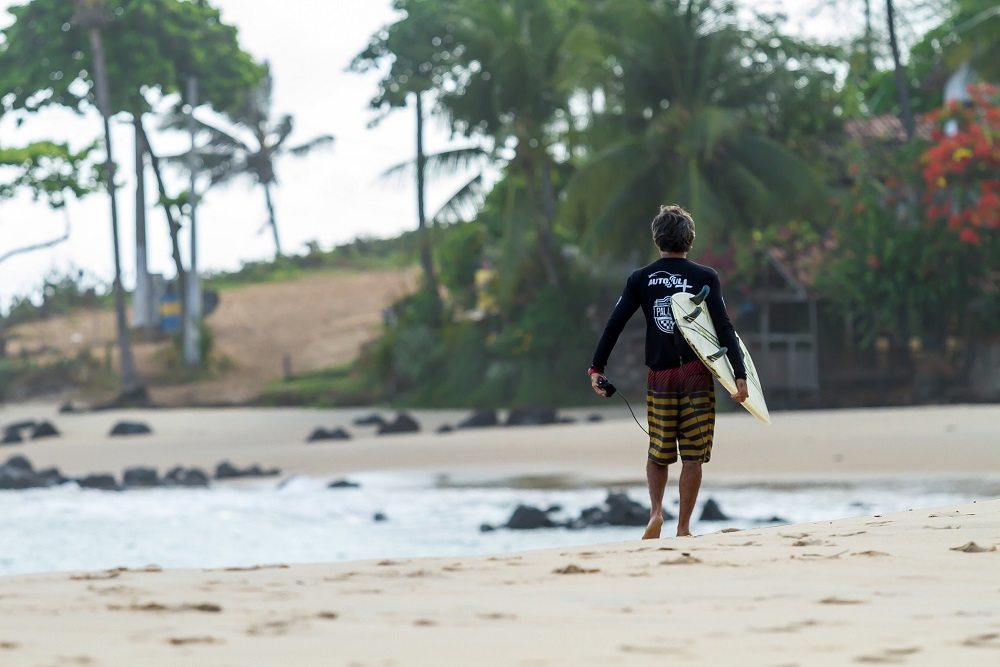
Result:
x=149 y=45
x=48 y=170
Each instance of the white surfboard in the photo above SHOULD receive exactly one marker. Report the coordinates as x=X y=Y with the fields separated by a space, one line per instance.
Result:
x=695 y=324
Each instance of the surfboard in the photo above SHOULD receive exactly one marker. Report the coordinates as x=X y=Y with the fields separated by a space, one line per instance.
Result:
x=695 y=324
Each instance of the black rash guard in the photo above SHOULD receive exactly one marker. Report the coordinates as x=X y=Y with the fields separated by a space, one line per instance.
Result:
x=652 y=287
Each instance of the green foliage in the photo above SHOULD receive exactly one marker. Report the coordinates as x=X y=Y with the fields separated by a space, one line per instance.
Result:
x=149 y=44
x=459 y=255
x=58 y=295
x=49 y=171
x=898 y=274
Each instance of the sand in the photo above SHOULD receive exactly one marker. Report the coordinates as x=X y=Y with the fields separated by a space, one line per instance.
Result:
x=870 y=590
x=938 y=440
x=318 y=320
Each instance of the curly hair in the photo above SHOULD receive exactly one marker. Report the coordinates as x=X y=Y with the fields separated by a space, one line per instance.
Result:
x=673 y=229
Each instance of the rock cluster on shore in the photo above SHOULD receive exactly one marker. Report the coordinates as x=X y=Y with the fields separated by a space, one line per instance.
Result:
x=18 y=473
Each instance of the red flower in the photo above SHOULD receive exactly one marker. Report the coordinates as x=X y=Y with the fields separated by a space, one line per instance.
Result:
x=872 y=262
x=969 y=236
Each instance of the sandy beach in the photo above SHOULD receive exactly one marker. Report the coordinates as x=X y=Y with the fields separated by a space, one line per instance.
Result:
x=917 y=588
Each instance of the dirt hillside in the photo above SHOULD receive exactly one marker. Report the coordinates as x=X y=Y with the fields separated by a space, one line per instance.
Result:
x=318 y=321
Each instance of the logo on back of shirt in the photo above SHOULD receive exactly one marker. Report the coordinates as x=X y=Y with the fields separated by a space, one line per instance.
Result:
x=663 y=315
x=670 y=280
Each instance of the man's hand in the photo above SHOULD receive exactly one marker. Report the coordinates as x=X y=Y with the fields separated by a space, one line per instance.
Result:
x=741 y=391
x=593 y=383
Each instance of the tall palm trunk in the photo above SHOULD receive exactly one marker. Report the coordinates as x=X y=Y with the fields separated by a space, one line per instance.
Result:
x=143 y=313
x=902 y=86
x=426 y=258
x=89 y=11
x=172 y=224
x=272 y=221
x=542 y=198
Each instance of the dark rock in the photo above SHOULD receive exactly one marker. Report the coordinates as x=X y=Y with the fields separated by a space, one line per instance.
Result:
x=773 y=519
x=44 y=430
x=227 y=470
x=592 y=516
x=21 y=425
x=595 y=418
x=17 y=474
x=479 y=419
x=486 y=528
x=379 y=517
x=369 y=420
x=187 y=477
x=19 y=462
x=403 y=423
x=67 y=408
x=100 y=481
x=11 y=436
x=533 y=416
x=52 y=477
x=323 y=434
x=343 y=484
x=256 y=471
x=554 y=508
x=566 y=420
x=139 y=477
x=445 y=428
x=529 y=518
x=712 y=512
x=130 y=428
x=623 y=511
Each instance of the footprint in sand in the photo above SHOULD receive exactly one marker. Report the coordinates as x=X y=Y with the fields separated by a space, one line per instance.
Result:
x=683 y=559
x=973 y=548
x=424 y=623
x=836 y=600
x=991 y=640
x=187 y=641
x=7 y=646
x=497 y=616
x=574 y=569
x=812 y=543
x=794 y=626
x=254 y=568
x=888 y=656
x=206 y=607
x=871 y=553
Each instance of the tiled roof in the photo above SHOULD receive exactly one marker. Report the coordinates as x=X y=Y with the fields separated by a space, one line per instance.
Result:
x=886 y=127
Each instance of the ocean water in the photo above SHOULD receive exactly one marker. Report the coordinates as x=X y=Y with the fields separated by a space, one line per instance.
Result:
x=300 y=520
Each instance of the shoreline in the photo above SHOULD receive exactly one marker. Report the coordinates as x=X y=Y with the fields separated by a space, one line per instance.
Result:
x=946 y=440
x=815 y=593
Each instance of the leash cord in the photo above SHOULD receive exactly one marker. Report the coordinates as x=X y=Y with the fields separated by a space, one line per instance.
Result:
x=633 y=413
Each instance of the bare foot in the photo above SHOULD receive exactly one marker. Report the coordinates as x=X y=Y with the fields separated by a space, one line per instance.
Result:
x=683 y=532
x=653 y=528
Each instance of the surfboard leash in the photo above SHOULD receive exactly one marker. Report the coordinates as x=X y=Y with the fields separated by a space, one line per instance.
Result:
x=605 y=384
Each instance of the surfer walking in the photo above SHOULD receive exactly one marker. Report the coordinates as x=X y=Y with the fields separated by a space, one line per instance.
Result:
x=680 y=395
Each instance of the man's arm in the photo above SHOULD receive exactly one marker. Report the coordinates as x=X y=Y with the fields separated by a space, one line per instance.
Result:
x=627 y=304
x=723 y=327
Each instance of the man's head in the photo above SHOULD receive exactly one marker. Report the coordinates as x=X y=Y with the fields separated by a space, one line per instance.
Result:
x=673 y=229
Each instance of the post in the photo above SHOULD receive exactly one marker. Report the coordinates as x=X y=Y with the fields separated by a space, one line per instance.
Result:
x=192 y=314
x=143 y=311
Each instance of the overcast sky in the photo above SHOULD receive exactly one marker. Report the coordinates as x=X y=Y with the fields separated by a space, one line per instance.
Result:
x=331 y=197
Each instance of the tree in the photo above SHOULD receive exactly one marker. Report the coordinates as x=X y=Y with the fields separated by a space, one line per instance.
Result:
x=42 y=63
x=700 y=112
x=503 y=72
x=251 y=148
x=90 y=16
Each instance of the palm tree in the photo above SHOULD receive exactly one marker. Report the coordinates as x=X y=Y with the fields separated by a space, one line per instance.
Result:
x=90 y=15
x=686 y=120
x=226 y=155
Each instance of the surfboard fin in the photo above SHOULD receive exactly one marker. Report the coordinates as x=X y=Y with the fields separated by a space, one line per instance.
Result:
x=718 y=355
x=690 y=317
x=698 y=298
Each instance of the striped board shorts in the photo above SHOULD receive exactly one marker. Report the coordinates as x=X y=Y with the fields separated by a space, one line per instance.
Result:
x=680 y=406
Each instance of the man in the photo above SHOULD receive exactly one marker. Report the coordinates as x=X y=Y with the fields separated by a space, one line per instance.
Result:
x=680 y=397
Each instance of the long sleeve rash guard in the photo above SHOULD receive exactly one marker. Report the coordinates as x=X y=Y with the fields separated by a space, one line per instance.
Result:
x=652 y=287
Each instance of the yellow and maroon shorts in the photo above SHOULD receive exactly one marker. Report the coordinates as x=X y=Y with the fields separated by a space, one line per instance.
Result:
x=680 y=407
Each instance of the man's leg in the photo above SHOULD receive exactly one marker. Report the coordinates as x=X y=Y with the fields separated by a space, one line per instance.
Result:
x=656 y=478
x=690 y=483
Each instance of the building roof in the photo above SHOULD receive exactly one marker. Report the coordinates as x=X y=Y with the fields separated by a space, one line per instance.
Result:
x=887 y=127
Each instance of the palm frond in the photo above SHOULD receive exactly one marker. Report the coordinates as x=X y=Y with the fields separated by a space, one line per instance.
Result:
x=446 y=163
x=463 y=204
x=314 y=143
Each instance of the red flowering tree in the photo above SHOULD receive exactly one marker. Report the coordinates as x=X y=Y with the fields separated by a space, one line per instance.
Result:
x=961 y=169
